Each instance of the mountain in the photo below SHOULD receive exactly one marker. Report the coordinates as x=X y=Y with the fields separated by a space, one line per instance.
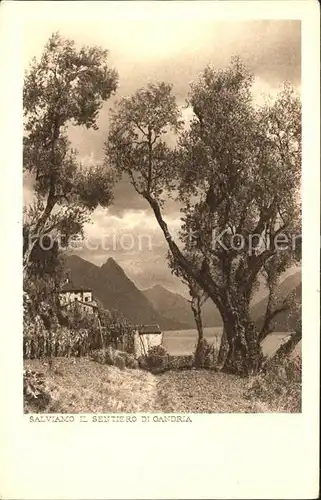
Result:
x=282 y=321
x=115 y=290
x=170 y=305
x=169 y=310
x=174 y=306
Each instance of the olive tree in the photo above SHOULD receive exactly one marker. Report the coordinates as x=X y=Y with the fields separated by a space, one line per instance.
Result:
x=197 y=300
x=65 y=87
x=235 y=172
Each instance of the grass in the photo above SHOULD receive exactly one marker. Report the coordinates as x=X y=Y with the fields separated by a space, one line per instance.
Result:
x=79 y=385
x=202 y=391
x=279 y=389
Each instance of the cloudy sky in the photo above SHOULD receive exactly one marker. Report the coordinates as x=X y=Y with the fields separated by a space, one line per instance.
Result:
x=174 y=50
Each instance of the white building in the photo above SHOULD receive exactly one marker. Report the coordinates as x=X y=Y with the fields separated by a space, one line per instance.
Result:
x=80 y=297
x=146 y=337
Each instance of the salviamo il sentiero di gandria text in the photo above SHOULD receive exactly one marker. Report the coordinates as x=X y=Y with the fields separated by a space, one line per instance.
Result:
x=112 y=419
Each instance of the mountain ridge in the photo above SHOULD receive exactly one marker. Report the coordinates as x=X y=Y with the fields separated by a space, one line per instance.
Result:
x=174 y=305
x=112 y=287
x=163 y=301
x=157 y=304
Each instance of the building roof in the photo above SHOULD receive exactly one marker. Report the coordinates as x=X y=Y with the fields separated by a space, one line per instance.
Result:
x=146 y=329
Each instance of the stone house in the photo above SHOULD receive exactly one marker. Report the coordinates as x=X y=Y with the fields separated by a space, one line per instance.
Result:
x=77 y=297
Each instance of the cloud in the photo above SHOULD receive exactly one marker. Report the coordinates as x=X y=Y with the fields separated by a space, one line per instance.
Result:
x=135 y=240
x=134 y=230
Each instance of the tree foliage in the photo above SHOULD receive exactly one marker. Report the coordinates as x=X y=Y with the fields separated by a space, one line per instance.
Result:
x=66 y=87
x=236 y=173
x=137 y=145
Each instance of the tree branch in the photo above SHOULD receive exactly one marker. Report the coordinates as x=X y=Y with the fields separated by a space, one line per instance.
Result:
x=269 y=316
x=203 y=280
x=285 y=349
x=133 y=182
x=140 y=128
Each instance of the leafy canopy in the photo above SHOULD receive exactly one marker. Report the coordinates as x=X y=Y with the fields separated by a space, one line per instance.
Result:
x=137 y=143
x=240 y=170
x=235 y=170
x=66 y=87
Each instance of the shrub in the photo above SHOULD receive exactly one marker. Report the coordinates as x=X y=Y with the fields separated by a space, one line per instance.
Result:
x=36 y=394
x=130 y=360
x=40 y=341
x=113 y=357
x=77 y=334
x=99 y=356
x=124 y=359
x=278 y=388
x=109 y=356
x=116 y=330
x=120 y=362
x=181 y=362
x=157 y=360
x=142 y=363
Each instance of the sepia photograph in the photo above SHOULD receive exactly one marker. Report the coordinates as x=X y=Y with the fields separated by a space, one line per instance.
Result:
x=162 y=216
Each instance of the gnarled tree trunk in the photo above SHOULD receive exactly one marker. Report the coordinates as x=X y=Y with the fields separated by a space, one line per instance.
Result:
x=244 y=355
x=240 y=351
x=197 y=310
x=223 y=351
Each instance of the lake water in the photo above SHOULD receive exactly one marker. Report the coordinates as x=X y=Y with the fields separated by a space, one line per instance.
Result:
x=183 y=342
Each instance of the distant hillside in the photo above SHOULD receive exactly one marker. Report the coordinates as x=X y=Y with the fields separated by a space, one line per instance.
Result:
x=115 y=290
x=158 y=305
x=174 y=306
x=282 y=321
